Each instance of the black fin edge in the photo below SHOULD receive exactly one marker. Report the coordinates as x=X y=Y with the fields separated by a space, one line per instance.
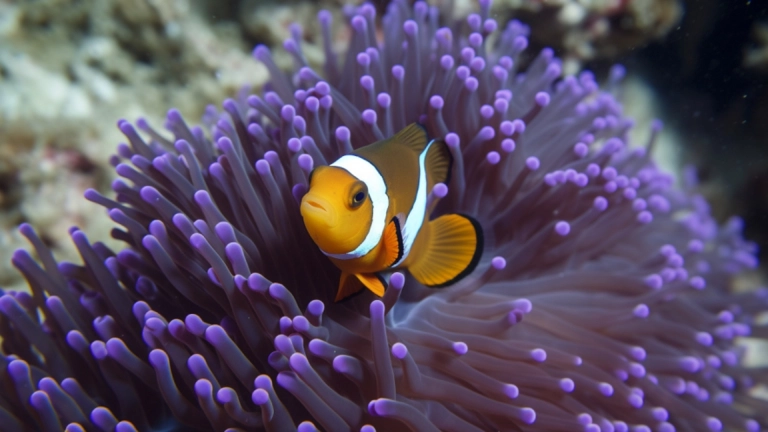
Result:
x=400 y=246
x=382 y=280
x=363 y=288
x=475 y=258
x=356 y=293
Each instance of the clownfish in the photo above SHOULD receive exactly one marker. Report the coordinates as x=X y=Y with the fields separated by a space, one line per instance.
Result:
x=367 y=212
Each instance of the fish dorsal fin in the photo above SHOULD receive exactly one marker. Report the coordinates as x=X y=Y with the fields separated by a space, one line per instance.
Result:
x=414 y=136
x=373 y=282
x=438 y=164
x=393 y=241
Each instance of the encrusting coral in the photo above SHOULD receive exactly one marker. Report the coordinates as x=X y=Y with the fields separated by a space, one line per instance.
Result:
x=602 y=302
x=586 y=30
x=68 y=69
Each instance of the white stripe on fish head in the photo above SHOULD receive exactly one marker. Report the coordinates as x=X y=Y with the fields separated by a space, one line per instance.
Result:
x=367 y=173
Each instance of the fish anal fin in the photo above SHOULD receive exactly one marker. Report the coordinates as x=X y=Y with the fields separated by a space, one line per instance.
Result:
x=453 y=249
x=438 y=163
x=393 y=242
x=414 y=136
x=373 y=282
x=348 y=285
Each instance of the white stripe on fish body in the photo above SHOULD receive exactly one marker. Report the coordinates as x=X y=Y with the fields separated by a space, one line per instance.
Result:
x=367 y=173
x=415 y=218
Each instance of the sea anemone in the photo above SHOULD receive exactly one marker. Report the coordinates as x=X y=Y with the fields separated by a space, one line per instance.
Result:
x=602 y=301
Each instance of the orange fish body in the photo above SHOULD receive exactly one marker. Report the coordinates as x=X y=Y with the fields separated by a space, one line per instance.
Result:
x=368 y=213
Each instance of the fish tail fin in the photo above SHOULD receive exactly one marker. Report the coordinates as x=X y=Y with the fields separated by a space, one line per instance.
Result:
x=453 y=250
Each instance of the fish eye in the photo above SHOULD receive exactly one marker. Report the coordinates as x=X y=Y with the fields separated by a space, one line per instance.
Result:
x=358 y=198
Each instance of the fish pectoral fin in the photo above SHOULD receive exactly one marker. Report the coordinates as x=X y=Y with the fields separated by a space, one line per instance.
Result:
x=414 y=136
x=438 y=163
x=453 y=250
x=393 y=241
x=348 y=285
x=373 y=282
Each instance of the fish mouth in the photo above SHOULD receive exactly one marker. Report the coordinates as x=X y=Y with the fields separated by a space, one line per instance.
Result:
x=316 y=205
x=317 y=212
